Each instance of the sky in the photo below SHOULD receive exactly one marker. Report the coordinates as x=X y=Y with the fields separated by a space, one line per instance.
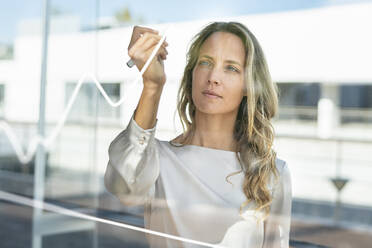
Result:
x=151 y=11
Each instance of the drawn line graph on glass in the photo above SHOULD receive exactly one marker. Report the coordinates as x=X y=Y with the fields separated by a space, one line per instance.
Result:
x=10 y=197
x=25 y=157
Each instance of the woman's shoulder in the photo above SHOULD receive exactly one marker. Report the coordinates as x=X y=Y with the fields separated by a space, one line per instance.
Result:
x=170 y=144
x=283 y=173
x=285 y=178
x=166 y=145
x=281 y=165
x=176 y=140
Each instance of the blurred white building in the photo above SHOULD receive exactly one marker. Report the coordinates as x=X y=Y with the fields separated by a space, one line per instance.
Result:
x=313 y=55
x=329 y=46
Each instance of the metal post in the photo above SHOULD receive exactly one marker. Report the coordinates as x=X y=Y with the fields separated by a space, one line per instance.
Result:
x=339 y=182
x=39 y=172
x=94 y=182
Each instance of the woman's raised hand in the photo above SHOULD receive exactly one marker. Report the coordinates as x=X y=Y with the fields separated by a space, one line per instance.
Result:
x=142 y=44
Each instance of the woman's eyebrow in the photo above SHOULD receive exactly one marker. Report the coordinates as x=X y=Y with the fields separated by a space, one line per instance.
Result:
x=228 y=61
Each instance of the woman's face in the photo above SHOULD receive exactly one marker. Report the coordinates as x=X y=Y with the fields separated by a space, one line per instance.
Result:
x=220 y=68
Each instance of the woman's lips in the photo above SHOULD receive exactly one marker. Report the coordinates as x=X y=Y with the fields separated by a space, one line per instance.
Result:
x=210 y=95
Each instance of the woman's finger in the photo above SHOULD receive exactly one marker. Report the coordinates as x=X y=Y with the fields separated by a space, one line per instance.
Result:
x=147 y=41
x=148 y=36
x=137 y=32
x=141 y=30
x=145 y=36
x=162 y=53
x=138 y=46
x=150 y=50
x=145 y=44
x=152 y=43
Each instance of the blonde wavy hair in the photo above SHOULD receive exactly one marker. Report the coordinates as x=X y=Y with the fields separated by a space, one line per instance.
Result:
x=253 y=131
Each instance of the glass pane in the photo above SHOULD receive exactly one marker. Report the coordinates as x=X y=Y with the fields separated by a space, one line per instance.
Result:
x=103 y=187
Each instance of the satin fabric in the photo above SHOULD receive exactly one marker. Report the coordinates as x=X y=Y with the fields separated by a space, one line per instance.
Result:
x=185 y=192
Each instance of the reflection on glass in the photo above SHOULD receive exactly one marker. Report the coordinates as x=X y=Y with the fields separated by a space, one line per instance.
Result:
x=92 y=36
x=84 y=109
x=184 y=185
x=2 y=93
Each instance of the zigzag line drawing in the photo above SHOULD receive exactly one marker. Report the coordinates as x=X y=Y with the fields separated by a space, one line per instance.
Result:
x=25 y=157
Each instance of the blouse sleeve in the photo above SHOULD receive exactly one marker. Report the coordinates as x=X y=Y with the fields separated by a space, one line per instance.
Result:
x=133 y=165
x=277 y=226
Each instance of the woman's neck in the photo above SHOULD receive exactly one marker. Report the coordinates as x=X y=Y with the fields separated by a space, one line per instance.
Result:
x=214 y=131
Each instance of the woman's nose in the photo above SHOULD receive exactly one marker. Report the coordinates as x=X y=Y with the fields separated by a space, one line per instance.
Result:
x=215 y=77
x=213 y=81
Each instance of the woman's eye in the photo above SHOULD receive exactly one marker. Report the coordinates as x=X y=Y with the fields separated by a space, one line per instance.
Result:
x=233 y=68
x=203 y=63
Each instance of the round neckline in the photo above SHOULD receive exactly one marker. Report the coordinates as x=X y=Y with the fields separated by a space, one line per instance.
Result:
x=203 y=147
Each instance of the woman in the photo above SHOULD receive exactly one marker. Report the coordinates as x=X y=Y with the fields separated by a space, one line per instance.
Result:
x=220 y=181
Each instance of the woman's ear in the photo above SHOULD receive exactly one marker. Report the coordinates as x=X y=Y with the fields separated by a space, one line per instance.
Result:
x=245 y=93
x=245 y=90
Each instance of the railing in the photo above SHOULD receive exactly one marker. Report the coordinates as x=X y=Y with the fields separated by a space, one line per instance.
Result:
x=299 y=112
x=340 y=159
x=356 y=115
x=347 y=115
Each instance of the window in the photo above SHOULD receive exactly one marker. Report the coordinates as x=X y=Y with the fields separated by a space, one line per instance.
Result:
x=299 y=94
x=298 y=100
x=6 y=51
x=2 y=96
x=84 y=107
x=356 y=103
x=356 y=96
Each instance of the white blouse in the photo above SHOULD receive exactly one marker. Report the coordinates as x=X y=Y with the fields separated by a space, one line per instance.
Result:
x=185 y=193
